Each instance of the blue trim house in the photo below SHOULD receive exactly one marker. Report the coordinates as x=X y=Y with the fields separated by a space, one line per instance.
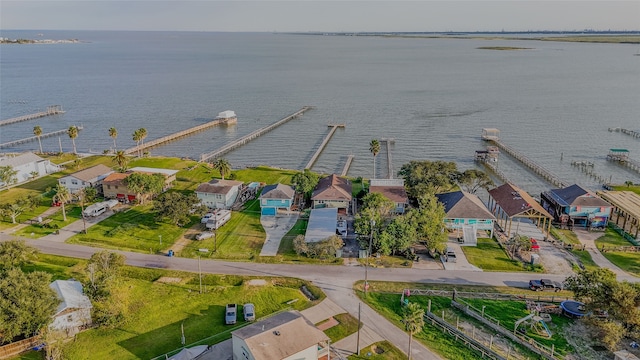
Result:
x=466 y=211
x=576 y=206
x=274 y=197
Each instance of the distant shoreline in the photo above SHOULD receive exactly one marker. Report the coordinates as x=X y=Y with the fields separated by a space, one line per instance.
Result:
x=43 y=41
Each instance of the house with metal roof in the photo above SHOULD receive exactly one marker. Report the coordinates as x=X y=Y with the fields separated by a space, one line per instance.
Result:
x=508 y=202
x=576 y=206
x=392 y=189
x=333 y=192
x=285 y=336
x=27 y=166
x=322 y=224
x=74 y=311
x=90 y=177
x=218 y=193
x=466 y=213
x=626 y=211
x=114 y=186
x=274 y=197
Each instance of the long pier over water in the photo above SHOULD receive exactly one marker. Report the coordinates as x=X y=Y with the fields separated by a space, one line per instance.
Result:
x=389 y=162
x=347 y=165
x=245 y=139
x=324 y=143
x=493 y=136
x=51 y=110
x=35 y=138
x=179 y=134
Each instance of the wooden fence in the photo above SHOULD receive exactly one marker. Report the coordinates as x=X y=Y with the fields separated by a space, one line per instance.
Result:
x=15 y=348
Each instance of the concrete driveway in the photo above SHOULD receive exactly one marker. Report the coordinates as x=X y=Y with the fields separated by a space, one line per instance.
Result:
x=276 y=227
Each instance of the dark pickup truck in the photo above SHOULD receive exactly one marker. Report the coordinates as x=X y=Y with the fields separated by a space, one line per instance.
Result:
x=544 y=284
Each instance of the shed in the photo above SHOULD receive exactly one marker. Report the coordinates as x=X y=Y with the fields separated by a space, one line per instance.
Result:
x=322 y=224
x=74 y=311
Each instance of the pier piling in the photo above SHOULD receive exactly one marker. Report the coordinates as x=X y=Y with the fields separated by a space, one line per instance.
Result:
x=324 y=143
x=35 y=138
x=51 y=110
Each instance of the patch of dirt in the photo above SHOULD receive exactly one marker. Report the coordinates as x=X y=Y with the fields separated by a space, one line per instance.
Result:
x=555 y=260
x=257 y=282
x=186 y=238
x=169 y=280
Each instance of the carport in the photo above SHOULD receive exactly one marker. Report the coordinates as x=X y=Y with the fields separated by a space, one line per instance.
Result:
x=626 y=210
x=508 y=202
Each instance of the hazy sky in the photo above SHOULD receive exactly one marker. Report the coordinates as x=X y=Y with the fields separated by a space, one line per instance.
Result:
x=320 y=15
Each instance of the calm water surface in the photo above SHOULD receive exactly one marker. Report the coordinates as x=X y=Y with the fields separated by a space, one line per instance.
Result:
x=554 y=102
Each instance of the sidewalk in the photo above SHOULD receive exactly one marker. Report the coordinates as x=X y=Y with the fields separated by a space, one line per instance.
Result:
x=587 y=239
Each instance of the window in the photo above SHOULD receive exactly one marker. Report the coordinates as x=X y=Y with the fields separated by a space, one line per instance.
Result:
x=62 y=182
x=74 y=182
x=108 y=186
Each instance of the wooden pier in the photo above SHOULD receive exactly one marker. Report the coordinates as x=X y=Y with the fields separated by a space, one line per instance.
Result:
x=587 y=168
x=347 y=165
x=621 y=156
x=492 y=165
x=245 y=139
x=389 y=162
x=632 y=133
x=179 y=134
x=51 y=110
x=492 y=136
x=35 y=138
x=324 y=143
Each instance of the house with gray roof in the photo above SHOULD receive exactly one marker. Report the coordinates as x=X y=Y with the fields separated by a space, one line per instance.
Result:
x=576 y=206
x=274 y=197
x=90 y=177
x=466 y=213
x=74 y=311
x=218 y=193
x=285 y=336
x=28 y=165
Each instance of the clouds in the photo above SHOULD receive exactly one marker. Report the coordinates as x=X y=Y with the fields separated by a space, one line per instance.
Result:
x=320 y=15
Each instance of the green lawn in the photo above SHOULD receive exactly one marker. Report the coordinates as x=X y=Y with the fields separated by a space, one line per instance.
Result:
x=627 y=261
x=57 y=222
x=133 y=229
x=158 y=310
x=383 y=350
x=347 y=325
x=489 y=256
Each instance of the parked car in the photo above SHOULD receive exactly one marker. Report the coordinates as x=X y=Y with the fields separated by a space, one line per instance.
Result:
x=451 y=255
x=249 y=312
x=544 y=284
x=206 y=218
x=230 y=314
x=204 y=235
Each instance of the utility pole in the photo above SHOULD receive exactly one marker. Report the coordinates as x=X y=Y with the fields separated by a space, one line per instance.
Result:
x=199 y=274
x=358 y=338
x=366 y=266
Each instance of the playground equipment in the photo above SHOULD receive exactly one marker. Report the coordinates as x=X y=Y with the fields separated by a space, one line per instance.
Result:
x=536 y=323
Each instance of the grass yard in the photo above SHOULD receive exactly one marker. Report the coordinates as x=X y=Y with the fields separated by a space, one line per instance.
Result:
x=57 y=222
x=627 y=261
x=347 y=325
x=157 y=309
x=489 y=256
x=265 y=174
x=134 y=229
x=383 y=350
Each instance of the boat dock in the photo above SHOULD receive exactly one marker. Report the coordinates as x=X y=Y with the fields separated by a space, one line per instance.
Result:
x=51 y=110
x=621 y=156
x=389 y=162
x=35 y=138
x=179 y=134
x=632 y=133
x=493 y=136
x=347 y=165
x=245 y=139
x=324 y=143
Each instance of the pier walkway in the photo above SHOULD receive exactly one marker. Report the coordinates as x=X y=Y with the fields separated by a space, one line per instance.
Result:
x=245 y=139
x=179 y=134
x=51 y=110
x=389 y=162
x=492 y=135
x=324 y=143
x=35 y=138
x=632 y=133
x=347 y=165
x=621 y=156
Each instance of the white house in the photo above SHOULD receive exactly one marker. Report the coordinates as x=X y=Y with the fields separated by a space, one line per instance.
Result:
x=90 y=177
x=219 y=194
x=74 y=311
x=27 y=165
x=285 y=336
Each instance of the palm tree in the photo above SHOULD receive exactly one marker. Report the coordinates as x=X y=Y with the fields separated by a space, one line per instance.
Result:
x=223 y=166
x=143 y=135
x=63 y=196
x=374 y=147
x=413 y=319
x=628 y=183
x=73 y=134
x=37 y=131
x=137 y=136
x=121 y=159
x=114 y=134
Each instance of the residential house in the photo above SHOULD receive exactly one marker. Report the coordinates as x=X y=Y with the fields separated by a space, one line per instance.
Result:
x=576 y=206
x=28 y=165
x=114 y=186
x=392 y=189
x=285 y=336
x=466 y=213
x=74 y=311
x=274 y=197
x=219 y=194
x=332 y=191
x=90 y=177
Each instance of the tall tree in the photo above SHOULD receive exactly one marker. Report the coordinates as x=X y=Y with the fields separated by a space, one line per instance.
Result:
x=63 y=196
x=375 y=207
x=73 y=134
x=26 y=303
x=145 y=185
x=176 y=207
x=472 y=180
x=223 y=166
x=15 y=253
x=374 y=148
x=398 y=236
x=19 y=206
x=113 y=133
x=37 y=131
x=121 y=159
x=428 y=220
x=305 y=181
x=425 y=176
x=413 y=319
x=143 y=135
x=8 y=175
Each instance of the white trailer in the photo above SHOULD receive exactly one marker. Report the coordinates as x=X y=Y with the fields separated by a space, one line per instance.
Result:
x=219 y=218
x=96 y=209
